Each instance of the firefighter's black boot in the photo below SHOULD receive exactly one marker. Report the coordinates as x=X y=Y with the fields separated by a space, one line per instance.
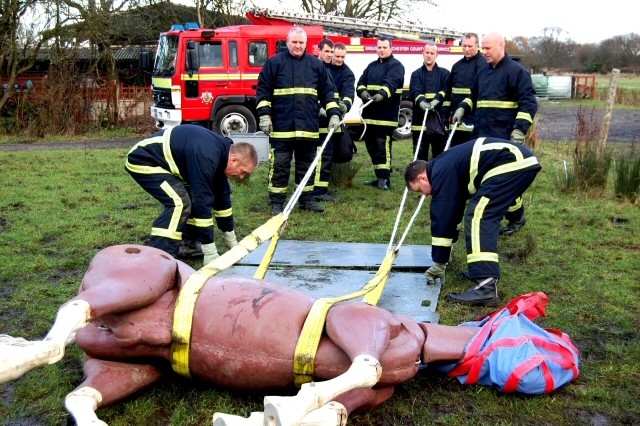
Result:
x=373 y=182
x=311 y=206
x=514 y=226
x=276 y=209
x=190 y=249
x=382 y=184
x=485 y=293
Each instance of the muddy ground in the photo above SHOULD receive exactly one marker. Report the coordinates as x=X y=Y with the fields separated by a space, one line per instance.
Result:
x=555 y=123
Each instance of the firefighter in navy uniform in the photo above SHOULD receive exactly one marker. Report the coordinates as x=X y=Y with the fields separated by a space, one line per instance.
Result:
x=490 y=173
x=344 y=85
x=428 y=88
x=186 y=168
x=382 y=82
x=461 y=79
x=292 y=87
x=505 y=103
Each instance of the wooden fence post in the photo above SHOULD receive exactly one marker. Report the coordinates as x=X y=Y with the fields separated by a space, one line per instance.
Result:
x=608 y=111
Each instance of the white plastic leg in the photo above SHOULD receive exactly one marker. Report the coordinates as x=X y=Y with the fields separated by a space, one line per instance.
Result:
x=332 y=414
x=82 y=404
x=285 y=411
x=17 y=355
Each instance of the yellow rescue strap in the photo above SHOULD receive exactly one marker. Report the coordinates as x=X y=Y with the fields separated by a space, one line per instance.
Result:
x=307 y=346
x=185 y=305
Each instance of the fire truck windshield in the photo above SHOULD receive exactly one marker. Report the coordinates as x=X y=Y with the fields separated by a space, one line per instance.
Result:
x=165 y=63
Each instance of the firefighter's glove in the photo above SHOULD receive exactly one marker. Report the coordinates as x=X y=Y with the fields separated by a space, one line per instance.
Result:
x=377 y=97
x=265 y=124
x=424 y=105
x=365 y=96
x=517 y=136
x=435 y=272
x=230 y=239
x=322 y=112
x=457 y=117
x=210 y=253
x=343 y=108
x=334 y=123
x=434 y=103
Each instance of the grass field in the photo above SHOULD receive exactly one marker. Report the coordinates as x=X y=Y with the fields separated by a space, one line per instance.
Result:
x=59 y=208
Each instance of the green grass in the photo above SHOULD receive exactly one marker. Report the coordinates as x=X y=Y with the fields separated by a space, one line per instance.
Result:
x=59 y=208
x=101 y=134
x=626 y=81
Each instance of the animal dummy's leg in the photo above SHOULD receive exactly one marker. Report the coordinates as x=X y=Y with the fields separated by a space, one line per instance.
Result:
x=362 y=332
x=365 y=399
x=445 y=342
x=107 y=382
x=17 y=356
x=331 y=414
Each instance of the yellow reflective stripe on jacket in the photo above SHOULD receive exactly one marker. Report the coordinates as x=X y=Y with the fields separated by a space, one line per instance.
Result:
x=263 y=104
x=200 y=223
x=460 y=91
x=362 y=86
x=524 y=116
x=446 y=103
x=497 y=104
x=347 y=99
x=415 y=101
x=510 y=167
x=145 y=170
x=442 y=242
x=295 y=134
x=441 y=93
x=223 y=213
x=375 y=87
x=331 y=105
x=469 y=102
x=295 y=91
x=430 y=95
x=381 y=122
x=168 y=156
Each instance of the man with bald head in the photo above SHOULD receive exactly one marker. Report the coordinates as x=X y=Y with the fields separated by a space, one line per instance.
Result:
x=428 y=88
x=504 y=101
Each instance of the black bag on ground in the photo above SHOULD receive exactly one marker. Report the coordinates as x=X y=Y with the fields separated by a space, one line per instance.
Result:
x=343 y=147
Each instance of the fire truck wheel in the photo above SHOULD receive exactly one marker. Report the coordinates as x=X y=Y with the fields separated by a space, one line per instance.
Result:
x=404 y=121
x=234 y=119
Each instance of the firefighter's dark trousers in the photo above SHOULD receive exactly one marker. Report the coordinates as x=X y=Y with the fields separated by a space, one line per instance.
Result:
x=282 y=151
x=167 y=230
x=460 y=136
x=483 y=216
x=436 y=141
x=323 y=168
x=378 y=142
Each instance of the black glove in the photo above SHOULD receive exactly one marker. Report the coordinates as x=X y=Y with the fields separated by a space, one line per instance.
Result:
x=377 y=97
x=365 y=96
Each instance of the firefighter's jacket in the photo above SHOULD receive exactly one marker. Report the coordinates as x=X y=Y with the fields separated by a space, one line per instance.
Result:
x=344 y=83
x=461 y=79
x=427 y=85
x=503 y=99
x=386 y=77
x=455 y=176
x=198 y=157
x=291 y=90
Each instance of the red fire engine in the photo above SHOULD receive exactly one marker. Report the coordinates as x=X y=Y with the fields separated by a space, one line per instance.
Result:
x=209 y=76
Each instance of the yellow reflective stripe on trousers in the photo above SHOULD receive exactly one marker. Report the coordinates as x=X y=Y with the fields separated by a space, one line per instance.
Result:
x=393 y=124
x=478 y=212
x=295 y=91
x=171 y=231
x=516 y=205
x=223 y=213
x=497 y=104
x=524 y=116
x=168 y=156
x=296 y=134
x=387 y=157
x=482 y=257
x=460 y=91
x=200 y=223
x=441 y=242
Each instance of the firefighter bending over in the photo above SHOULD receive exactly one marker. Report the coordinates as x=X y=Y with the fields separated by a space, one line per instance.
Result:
x=186 y=168
x=490 y=173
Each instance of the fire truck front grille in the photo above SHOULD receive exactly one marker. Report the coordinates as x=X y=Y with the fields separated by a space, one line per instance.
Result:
x=162 y=98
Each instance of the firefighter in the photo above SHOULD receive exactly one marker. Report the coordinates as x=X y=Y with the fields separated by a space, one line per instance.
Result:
x=461 y=79
x=428 y=88
x=186 y=168
x=292 y=87
x=505 y=102
x=490 y=173
x=381 y=82
x=344 y=85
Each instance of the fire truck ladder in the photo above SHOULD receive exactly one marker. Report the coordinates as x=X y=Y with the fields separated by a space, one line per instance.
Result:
x=342 y=25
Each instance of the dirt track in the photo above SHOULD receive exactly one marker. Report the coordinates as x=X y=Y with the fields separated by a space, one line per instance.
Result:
x=554 y=124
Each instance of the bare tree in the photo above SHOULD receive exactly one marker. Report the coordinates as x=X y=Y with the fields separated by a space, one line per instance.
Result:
x=381 y=10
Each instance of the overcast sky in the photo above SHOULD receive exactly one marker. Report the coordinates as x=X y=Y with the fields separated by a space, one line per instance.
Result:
x=584 y=21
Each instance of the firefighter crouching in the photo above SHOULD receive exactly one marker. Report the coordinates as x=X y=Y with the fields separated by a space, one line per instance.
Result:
x=381 y=82
x=186 y=168
x=292 y=87
x=491 y=173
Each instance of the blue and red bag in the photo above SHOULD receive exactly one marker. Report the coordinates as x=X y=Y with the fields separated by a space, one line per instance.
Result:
x=513 y=354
